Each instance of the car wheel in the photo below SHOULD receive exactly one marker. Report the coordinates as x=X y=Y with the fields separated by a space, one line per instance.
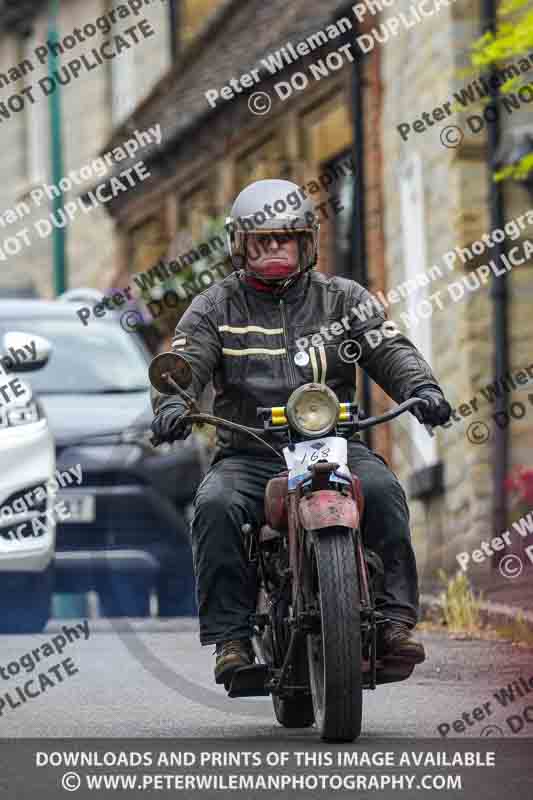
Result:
x=26 y=602
x=176 y=595
x=125 y=596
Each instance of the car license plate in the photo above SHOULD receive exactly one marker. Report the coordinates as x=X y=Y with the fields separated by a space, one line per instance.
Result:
x=80 y=508
x=330 y=448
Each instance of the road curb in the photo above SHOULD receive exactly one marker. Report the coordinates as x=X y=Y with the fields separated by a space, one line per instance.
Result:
x=492 y=613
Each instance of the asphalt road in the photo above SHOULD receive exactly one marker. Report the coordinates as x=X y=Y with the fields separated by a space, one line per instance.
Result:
x=153 y=679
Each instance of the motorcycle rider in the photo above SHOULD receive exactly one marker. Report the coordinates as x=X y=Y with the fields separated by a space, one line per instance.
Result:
x=242 y=334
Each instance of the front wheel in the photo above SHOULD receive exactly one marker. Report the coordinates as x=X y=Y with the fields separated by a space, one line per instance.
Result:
x=293 y=712
x=334 y=652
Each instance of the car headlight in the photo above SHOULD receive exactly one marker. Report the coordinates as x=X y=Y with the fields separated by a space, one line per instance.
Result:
x=22 y=415
x=313 y=409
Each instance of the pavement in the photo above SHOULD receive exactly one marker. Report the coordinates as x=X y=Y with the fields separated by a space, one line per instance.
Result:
x=150 y=678
x=138 y=686
x=503 y=600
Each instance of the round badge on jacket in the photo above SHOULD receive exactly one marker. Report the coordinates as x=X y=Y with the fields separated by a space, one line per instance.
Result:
x=301 y=358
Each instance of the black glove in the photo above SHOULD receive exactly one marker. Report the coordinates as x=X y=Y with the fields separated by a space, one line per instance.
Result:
x=437 y=412
x=168 y=425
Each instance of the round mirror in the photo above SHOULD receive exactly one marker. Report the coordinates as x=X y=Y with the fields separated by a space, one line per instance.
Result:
x=171 y=364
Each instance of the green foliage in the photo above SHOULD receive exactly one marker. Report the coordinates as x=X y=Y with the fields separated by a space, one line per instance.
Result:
x=516 y=172
x=460 y=608
x=514 y=35
x=513 y=38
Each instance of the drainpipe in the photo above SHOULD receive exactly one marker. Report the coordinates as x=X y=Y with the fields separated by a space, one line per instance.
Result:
x=499 y=294
x=56 y=156
x=358 y=238
x=64 y=605
x=174 y=21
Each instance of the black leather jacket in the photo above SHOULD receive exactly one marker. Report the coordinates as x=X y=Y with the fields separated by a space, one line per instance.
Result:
x=245 y=340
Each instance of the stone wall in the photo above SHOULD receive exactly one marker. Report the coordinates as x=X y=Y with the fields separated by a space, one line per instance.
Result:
x=420 y=71
x=87 y=122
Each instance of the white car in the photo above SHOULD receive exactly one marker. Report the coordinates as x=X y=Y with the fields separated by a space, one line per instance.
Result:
x=27 y=523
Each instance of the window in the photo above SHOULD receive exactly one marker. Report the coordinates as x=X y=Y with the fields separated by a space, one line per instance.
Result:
x=327 y=130
x=342 y=222
x=123 y=86
x=195 y=209
x=37 y=123
x=265 y=160
x=148 y=242
x=194 y=14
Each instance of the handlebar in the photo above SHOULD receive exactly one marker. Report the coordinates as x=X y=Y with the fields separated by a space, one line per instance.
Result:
x=256 y=432
x=388 y=415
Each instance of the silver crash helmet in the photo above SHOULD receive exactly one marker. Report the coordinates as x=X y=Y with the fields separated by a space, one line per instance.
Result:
x=272 y=207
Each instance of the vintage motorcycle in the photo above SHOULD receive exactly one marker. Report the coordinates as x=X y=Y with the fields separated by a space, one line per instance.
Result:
x=315 y=628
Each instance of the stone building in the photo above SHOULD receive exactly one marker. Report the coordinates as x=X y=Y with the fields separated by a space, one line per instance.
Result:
x=416 y=207
x=438 y=174
x=419 y=192
x=211 y=149
x=93 y=99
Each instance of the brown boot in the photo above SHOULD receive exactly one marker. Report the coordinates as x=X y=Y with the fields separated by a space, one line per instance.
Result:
x=230 y=656
x=395 y=643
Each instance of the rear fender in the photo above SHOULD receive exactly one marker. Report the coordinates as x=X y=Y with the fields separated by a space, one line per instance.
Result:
x=328 y=509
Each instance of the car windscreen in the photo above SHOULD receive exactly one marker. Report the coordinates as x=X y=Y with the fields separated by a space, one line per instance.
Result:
x=99 y=358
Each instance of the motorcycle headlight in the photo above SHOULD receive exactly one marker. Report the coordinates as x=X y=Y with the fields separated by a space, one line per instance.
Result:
x=313 y=409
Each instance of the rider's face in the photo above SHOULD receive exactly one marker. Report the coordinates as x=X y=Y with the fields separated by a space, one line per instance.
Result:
x=272 y=255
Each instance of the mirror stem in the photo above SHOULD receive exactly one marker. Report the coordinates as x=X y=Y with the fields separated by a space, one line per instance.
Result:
x=191 y=403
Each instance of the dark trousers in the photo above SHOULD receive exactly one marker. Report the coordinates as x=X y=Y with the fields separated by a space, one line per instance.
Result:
x=232 y=493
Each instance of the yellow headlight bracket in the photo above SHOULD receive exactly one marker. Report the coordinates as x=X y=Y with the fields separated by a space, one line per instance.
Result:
x=278 y=416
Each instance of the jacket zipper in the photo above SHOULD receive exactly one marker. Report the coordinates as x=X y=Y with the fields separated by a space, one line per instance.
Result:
x=292 y=374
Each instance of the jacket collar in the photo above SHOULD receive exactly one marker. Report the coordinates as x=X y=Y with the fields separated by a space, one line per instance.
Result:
x=296 y=292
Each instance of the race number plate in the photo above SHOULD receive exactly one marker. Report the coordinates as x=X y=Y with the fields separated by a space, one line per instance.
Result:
x=330 y=448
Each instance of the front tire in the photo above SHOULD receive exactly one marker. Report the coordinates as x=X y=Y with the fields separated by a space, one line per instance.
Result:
x=334 y=652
